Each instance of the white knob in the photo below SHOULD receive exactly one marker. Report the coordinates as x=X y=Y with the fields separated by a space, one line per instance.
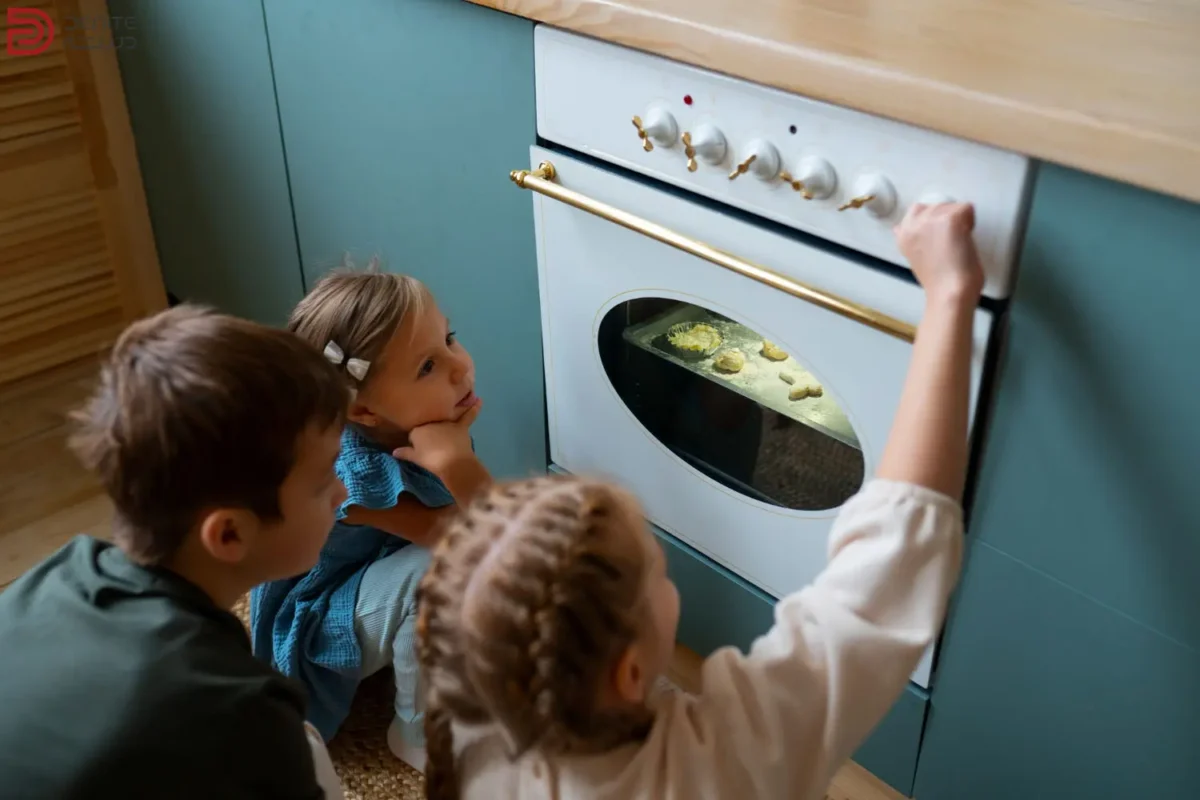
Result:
x=816 y=177
x=761 y=158
x=661 y=127
x=934 y=198
x=874 y=193
x=707 y=142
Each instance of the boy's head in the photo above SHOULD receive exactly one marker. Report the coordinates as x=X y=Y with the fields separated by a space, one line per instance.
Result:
x=213 y=427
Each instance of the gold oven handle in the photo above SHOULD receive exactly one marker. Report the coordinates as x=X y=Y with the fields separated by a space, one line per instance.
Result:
x=541 y=181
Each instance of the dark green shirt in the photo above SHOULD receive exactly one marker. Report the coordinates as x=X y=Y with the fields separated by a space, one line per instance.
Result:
x=119 y=681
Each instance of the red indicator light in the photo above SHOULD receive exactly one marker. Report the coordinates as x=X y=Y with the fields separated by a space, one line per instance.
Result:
x=687 y=99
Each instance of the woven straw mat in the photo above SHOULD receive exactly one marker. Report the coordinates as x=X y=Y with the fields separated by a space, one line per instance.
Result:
x=360 y=753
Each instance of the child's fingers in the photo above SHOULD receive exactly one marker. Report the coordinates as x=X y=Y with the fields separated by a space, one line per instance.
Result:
x=968 y=215
x=404 y=453
x=913 y=211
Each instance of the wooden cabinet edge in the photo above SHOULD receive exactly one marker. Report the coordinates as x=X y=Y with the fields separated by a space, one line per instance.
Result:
x=120 y=195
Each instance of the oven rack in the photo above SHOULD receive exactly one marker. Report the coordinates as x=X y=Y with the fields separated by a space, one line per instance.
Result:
x=758 y=380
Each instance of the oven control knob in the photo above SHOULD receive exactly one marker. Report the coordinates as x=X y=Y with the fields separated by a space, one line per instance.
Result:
x=814 y=178
x=934 y=198
x=659 y=126
x=761 y=158
x=707 y=142
x=874 y=193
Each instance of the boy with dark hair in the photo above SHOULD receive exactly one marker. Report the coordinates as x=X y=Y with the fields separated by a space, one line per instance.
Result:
x=122 y=671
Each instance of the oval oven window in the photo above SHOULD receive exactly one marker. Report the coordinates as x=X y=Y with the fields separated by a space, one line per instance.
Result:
x=729 y=403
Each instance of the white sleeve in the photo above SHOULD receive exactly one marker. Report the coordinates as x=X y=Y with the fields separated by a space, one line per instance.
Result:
x=327 y=778
x=781 y=720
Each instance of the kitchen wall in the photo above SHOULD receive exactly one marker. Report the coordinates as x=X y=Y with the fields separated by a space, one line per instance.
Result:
x=274 y=136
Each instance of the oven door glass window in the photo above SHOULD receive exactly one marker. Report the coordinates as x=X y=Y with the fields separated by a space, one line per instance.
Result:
x=729 y=403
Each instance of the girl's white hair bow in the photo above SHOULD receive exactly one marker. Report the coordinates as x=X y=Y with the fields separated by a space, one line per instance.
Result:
x=355 y=366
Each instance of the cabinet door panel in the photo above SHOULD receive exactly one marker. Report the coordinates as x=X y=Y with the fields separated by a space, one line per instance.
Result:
x=202 y=103
x=1044 y=693
x=1091 y=463
x=401 y=121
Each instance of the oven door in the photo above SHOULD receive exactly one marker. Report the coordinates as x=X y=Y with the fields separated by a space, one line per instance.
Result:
x=749 y=466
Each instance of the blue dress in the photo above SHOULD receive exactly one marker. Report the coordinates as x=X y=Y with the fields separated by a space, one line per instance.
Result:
x=305 y=625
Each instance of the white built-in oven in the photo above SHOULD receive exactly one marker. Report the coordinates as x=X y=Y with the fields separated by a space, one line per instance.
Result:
x=727 y=322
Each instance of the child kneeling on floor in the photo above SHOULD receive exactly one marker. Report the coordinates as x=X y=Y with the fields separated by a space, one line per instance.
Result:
x=124 y=672
x=547 y=614
x=406 y=459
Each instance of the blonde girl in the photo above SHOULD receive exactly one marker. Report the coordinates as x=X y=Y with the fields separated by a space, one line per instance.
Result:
x=547 y=614
x=406 y=460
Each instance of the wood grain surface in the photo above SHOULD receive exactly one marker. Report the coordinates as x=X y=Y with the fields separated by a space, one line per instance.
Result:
x=1111 y=87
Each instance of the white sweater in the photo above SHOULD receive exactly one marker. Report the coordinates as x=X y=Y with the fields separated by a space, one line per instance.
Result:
x=780 y=721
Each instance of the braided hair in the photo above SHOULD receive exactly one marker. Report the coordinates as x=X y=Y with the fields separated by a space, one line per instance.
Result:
x=532 y=595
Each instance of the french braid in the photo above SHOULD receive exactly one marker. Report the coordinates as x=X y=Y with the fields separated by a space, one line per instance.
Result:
x=532 y=595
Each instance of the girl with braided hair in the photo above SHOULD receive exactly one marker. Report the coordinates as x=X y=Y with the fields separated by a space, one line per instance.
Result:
x=547 y=616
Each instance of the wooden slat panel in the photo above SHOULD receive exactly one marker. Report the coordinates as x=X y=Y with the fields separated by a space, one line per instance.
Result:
x=77 y=260
x=55 y=54
x=13 y=214
x=52 y=71
x=44 y=5
x=59 y=221
x=83 y=266
x=37 y=87
x=44 y=146
x=81 y=306
x=49 y=302
x=66 y=343
x=42 y=252
x=118 y=178
x=48 y=178
x=38 y=117
x=79 y=270
x=54 y=58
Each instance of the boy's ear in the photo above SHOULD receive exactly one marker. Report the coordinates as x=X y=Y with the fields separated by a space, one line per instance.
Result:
x=228 y=533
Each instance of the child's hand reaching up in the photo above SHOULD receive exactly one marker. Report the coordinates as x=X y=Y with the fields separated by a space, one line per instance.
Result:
x=937 y=242
x=444 y=448
x=928 y=442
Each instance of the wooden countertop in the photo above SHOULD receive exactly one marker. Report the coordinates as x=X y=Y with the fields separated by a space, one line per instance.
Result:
x=1107 y=86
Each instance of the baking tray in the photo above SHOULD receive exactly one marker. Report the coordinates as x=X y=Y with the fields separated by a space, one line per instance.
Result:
x=758 y=380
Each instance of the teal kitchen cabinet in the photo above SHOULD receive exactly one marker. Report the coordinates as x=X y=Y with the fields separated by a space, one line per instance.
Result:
x=1044 y=693
x=1070 y=665
x=401 y=120
x=202 y=105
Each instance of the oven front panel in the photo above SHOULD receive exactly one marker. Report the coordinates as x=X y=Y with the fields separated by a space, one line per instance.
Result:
x=726 y=462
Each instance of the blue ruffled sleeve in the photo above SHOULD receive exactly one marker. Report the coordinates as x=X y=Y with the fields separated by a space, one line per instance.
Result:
x=375 y=479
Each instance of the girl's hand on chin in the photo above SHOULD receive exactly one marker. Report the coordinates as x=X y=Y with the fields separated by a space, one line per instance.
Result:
x=437 y=446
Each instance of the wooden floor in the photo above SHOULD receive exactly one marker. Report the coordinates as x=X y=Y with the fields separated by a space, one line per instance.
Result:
x=46 y=498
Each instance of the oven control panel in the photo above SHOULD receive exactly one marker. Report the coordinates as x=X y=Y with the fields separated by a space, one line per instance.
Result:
x=836 y=173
